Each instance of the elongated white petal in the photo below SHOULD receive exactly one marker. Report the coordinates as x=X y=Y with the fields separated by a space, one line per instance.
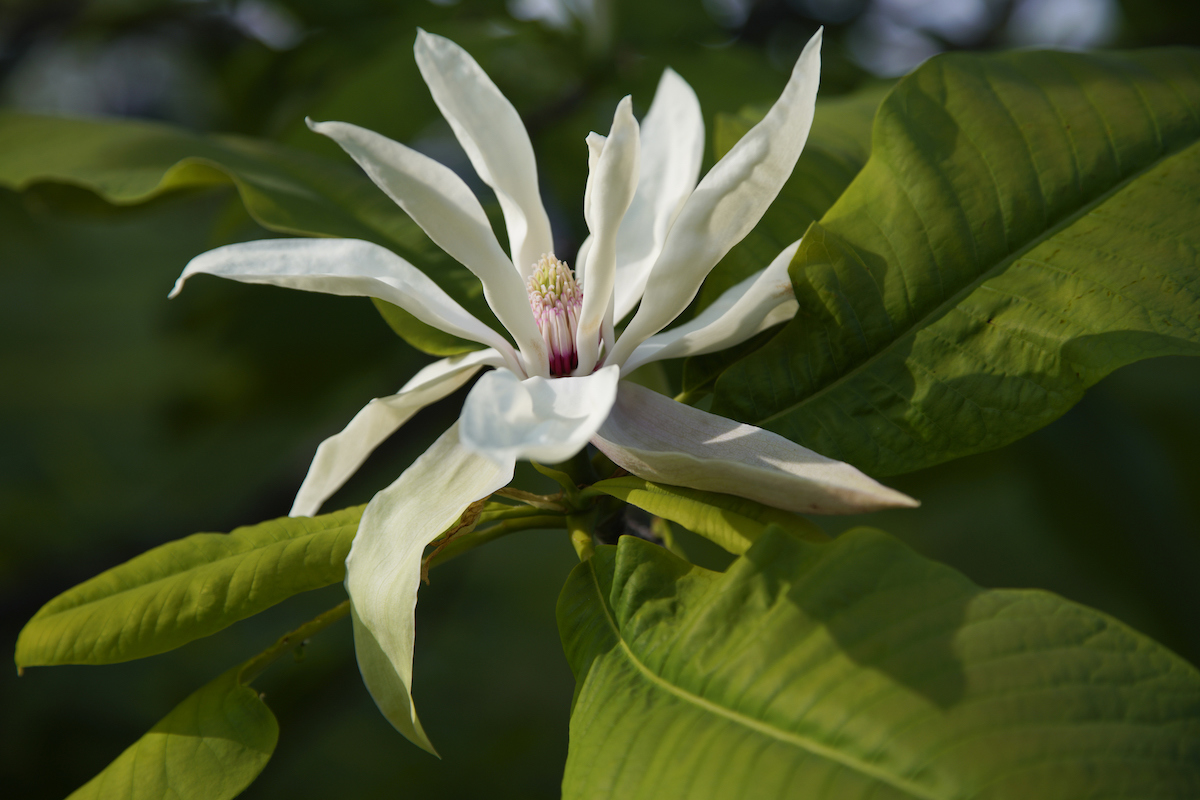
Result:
x=347 y=267
x=383 y=570
x=445 y=208
x=729 y=201
x=612 y=181
x=659 y=439
x=762 y=300
x=542 y=420
x=340 y=456
x=672 y=134
x=491 y=131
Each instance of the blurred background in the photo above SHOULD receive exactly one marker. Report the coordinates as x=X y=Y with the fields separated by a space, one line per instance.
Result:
x=127 y=421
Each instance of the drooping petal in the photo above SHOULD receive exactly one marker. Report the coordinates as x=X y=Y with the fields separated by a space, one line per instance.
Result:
x=612 y=181
x=542 y=420
x=347 y=267
x=491 y=131
x=762 y=300
x=450 y=214
x=383 y=570
x=340 y=456
x=656 y=438
x=729 y=201
x=672 y=143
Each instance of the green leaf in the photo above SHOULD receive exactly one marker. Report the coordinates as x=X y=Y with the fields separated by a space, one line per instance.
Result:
x=734 y=523
x=857 y=668
x=213 y=744
x=187 y=589
x=1027 y=223
x=283 y=189
x=209 y=747
x=837 y=148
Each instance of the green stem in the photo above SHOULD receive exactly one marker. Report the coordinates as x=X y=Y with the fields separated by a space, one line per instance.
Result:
x=581 y=527
x=515 y=512
x=469 y=541
x=290 y=641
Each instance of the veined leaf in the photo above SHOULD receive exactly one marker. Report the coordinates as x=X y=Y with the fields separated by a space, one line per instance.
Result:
x=734 y=523
x=837 y=148
x=210 y=747
x=213 y=744
x=283 y=189
x=857 y=668
x=188 y=589
x=1027 y=223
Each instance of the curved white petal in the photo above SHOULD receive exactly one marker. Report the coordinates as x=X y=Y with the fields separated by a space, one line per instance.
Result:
x=762 y=300
x=672 y=135
x=347 y=267
x=491 y=131
x=541 y=419
x=450 y=214
x=383 y=570
x=658 y=439
x=340 y=456
x=729 y=201
x=612 y=180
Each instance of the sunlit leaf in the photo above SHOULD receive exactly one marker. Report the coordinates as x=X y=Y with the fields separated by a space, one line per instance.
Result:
x=734 y=523
x=1027 y=223
x=209 y=747
x=188 y=589
x=858 y=668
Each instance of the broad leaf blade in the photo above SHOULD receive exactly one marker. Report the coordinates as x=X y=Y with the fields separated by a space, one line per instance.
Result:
x=1027 y=223
x=733 y=523
x=837 y=148
x=209 y=747
x=283 y=189
x=188 y=589
x=858 y=668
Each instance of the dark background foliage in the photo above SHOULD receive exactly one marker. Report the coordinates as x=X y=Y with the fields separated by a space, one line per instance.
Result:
x=127 y=421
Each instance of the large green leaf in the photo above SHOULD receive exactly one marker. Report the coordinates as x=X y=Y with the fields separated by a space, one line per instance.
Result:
x=734 y=523
x=209 y=747
x=1026 y=223
x=837 y=148
x=188 y=589
x=284 y=190
x=855 y=669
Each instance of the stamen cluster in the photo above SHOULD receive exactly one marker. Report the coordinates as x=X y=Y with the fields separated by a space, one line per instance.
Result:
x=556 y=300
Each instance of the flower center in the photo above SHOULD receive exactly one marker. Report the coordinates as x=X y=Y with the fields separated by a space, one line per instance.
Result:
x=556 y=301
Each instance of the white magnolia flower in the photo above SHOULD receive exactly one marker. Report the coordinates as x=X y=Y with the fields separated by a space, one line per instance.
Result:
x=655 y=235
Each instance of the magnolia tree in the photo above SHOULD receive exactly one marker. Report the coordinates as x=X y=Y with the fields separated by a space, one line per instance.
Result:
x=1007 y=230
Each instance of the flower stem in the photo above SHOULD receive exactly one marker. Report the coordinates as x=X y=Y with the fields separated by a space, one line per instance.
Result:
x=290 y=641
x=581 y=527
x=469 y=541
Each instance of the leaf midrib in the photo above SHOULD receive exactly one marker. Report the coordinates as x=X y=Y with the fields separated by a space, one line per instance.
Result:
x=952 y=302
x=787 y=737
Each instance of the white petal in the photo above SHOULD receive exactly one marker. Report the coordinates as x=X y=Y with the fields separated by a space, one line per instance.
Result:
x=347 y=267
x=445 y=208
x=491 y=131
x=383 y=570
x=547 y=420
x=658 y=439
x=672 y=134
x=340 y=456
x=729 y=201
x=612 y=180
x=762 y=300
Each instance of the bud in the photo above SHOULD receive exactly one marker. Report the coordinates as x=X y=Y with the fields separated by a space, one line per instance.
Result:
x=556 y=300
